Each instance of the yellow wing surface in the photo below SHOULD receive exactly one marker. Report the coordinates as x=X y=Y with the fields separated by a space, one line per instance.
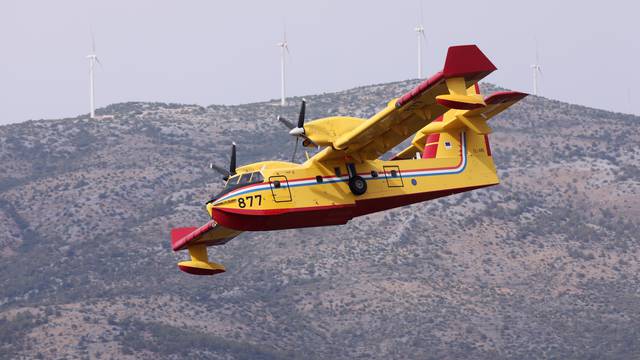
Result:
x=464 y=66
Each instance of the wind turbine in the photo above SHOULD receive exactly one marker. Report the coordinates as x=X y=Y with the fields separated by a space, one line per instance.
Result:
x=284 y=48
x=421 y=37
x=93 y=59
x=537 y=69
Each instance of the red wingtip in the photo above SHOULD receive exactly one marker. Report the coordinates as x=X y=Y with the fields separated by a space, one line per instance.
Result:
x=467 y=61
x=180 y=237
x=504 y=96
x=179 y=233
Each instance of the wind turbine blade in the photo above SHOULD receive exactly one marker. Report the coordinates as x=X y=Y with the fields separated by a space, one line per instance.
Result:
x=284 y=30
x=93 y=42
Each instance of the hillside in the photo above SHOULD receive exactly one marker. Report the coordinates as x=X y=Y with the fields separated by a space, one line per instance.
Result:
x=544 y=265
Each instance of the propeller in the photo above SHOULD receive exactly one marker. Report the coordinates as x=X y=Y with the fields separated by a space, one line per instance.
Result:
x=297 y=130
x=232 y=165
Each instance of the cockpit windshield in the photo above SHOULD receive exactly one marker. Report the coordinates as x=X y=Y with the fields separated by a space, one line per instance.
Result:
x=244 y=179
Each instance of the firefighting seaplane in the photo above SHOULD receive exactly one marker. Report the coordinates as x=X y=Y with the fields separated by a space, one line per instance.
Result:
x=449 y=154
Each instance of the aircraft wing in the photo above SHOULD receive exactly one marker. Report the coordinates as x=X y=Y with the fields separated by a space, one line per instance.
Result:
x=210 y=234
x=464 y=66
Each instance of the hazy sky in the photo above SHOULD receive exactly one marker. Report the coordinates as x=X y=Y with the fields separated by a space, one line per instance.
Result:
x=224 y=52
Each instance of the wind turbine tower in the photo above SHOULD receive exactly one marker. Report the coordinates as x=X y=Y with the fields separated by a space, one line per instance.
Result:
x=421 y=37
x=284 y=49
x=420 y=30
x=93 y=59
x=536 y=69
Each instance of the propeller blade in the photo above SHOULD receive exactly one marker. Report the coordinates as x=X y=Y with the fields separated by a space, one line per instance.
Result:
x=232 y=161
x=219 y=169
x=302 y=114
x=295 y=150
x=286 y=122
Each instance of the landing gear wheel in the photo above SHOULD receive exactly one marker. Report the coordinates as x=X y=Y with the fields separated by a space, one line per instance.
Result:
x=357 y=185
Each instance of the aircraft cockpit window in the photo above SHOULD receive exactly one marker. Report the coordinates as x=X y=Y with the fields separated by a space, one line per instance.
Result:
x=245 y=179
x=232 y=181
x=257 y=177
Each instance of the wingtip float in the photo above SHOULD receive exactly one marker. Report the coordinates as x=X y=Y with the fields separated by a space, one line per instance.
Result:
x=449 y=154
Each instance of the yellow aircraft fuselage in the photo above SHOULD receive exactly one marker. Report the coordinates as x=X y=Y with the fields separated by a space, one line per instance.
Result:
x=449 y=154
x=317 y=194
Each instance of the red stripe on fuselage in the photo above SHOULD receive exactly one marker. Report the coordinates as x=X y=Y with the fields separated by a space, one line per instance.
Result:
x=292 y=218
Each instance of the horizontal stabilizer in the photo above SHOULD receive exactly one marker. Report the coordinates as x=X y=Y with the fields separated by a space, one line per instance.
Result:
x=474 y=119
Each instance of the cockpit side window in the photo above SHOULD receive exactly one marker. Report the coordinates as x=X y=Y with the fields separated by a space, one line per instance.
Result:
x=244 y=179
x=257 y=177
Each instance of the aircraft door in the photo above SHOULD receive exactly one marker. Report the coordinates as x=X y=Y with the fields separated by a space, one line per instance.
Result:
x=280 y=188
x=393 y=176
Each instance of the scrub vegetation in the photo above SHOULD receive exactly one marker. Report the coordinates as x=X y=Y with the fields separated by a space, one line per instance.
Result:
x=545 y=265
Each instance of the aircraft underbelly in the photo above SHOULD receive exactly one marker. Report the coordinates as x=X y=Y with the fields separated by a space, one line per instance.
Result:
x=264 y=220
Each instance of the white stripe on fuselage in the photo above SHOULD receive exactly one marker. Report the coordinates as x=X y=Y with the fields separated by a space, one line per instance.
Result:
x=334 y=179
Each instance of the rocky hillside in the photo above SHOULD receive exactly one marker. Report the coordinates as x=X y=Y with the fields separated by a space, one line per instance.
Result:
x=544 y=265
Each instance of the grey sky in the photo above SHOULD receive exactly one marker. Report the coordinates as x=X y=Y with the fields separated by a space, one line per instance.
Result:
x=223 y=52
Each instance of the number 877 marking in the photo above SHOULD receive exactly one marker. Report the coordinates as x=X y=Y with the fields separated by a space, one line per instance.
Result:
x=242 y=202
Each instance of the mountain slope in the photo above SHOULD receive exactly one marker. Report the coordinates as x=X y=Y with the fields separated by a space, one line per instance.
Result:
x=543 y=265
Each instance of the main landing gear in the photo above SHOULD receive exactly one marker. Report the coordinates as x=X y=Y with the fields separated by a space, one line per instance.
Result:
x=357 y=184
